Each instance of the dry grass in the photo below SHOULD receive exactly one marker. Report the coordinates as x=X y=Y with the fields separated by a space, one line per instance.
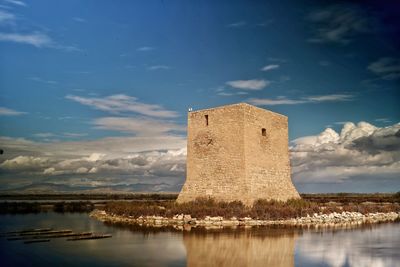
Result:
x=262 y=209
x=345 y=198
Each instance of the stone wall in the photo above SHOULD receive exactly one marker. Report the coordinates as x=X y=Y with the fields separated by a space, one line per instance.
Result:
x=230 y=159
x=267 y=163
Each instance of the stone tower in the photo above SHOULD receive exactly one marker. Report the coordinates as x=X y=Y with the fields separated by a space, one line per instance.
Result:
x=237 y=152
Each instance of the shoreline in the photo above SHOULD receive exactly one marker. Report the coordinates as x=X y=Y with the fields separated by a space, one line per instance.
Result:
x=186 y=222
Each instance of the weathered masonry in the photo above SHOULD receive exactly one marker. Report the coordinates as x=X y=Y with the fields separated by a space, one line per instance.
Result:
x=237 y=152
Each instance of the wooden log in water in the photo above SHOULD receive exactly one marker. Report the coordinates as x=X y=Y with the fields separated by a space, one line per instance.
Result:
x=90 y=237
x=38 y=230
x=36 y=241
x=29 y=230
x=66 y=235
x=50 y=236
x=47 y=232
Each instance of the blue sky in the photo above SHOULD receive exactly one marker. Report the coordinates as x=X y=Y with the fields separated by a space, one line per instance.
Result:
x=91 y=76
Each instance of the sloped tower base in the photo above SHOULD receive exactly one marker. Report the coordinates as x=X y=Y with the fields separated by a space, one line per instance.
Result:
x=237 y=152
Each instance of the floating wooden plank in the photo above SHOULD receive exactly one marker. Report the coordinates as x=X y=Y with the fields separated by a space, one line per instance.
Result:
x=36 y=241
x=47 y=232
x=38 y=230
x=90 y=237
x=49 y=236
x=66 y=235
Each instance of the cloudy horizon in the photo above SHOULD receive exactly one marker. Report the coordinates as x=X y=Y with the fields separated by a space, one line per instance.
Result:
x=95 y=98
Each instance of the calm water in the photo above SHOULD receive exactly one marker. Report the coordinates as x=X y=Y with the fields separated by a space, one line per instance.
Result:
x=377 y=245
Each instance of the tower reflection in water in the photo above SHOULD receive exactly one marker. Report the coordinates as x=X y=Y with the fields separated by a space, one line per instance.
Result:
x=261 y=247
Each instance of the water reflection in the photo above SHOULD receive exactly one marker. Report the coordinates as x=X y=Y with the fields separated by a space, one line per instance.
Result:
x=244 y=248
x=374 y=245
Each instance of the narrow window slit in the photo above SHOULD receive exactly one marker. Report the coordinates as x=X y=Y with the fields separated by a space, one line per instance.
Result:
x=206 y=116
x=264 y=132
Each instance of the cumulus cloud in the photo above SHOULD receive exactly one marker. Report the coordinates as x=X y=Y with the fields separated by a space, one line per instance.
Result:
x=248 y=84
x=123 y=103
x=387 y=68
x=338 y=24
x=310 y=99
x=24 y=163
x=9 y=112
x=361 y=149
x=165 y=166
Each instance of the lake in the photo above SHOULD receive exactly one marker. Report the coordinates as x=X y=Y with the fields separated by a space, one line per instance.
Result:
x=372 y=245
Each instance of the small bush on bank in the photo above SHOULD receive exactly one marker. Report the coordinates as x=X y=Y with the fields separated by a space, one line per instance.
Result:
x=272 y=210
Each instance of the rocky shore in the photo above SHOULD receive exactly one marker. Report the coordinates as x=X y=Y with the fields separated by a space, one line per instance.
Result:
x=184 y=222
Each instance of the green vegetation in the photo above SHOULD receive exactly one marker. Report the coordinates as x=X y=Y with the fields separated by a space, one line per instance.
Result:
x=262 y=209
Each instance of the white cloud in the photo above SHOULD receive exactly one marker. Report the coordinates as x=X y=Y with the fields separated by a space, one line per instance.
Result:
x=123 y=103
x=163 y=165
x=158 y=67
x=145 y=48
x=387 y=68
x=24 y=163
x=74 y=135
x=273 y=102
x=38 y=79
x=223 y=93
x=248 y=84
x=27 y=34
x=36 y=39
x=338 y=24
x=303 y=100
x=111 y=146
x=139 y=126
x=16 y=2
x=6 y=17
x=44 y=135
x=10 y=112
x=359 y=150
x=328 y=98
x=95 y=157
x=78 y=19
x=270 y=67
x=383 y=120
